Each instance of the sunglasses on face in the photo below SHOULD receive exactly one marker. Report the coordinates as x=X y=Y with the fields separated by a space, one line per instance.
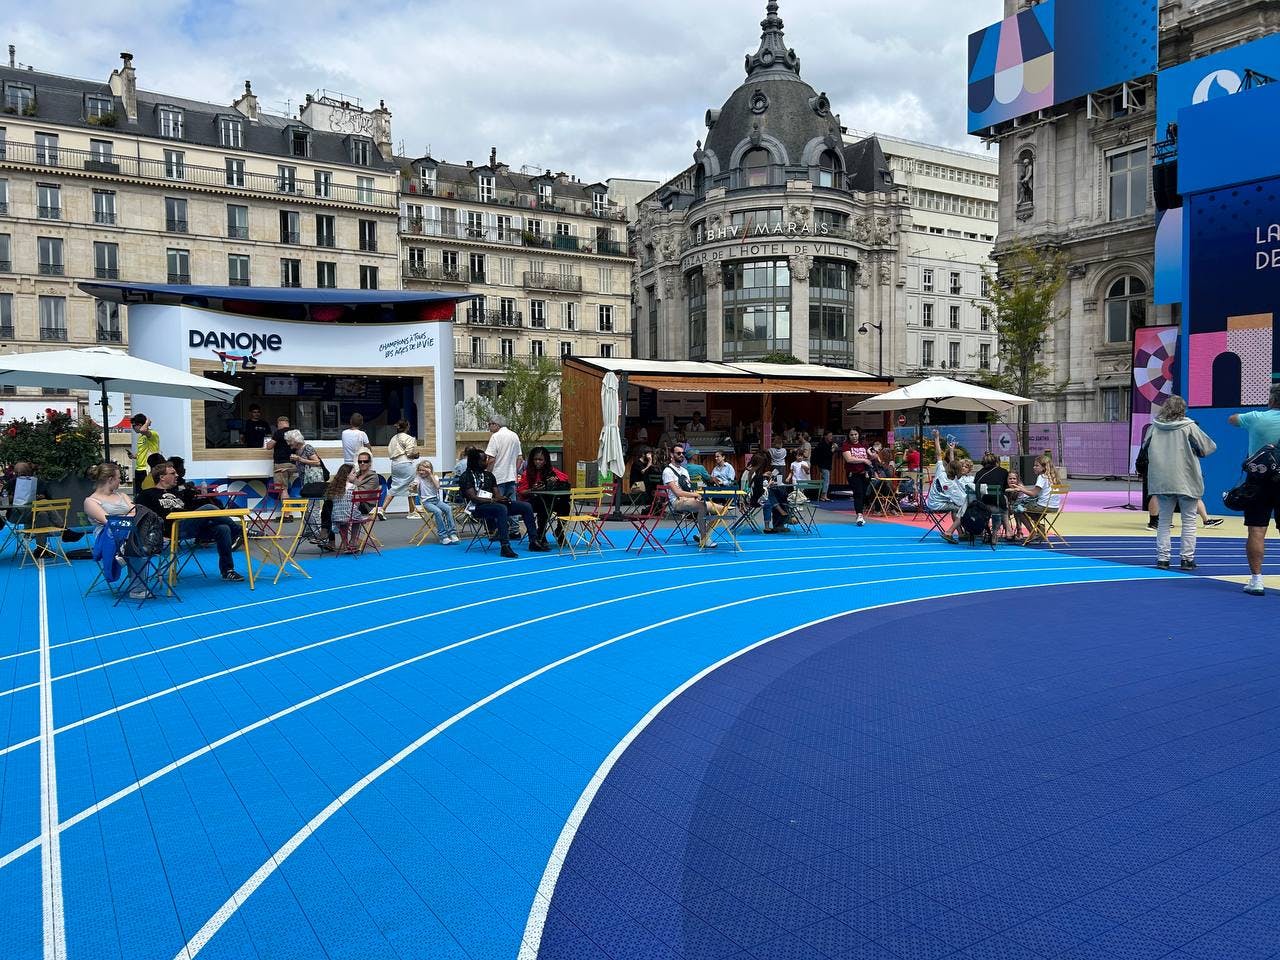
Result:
x=364 y=461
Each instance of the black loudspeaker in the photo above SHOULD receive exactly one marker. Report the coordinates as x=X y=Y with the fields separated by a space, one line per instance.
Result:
x=1164 y=182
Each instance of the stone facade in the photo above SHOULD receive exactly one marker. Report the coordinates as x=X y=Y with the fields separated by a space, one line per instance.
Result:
x=103 y=181
x=1080 y=182
x=545 y=253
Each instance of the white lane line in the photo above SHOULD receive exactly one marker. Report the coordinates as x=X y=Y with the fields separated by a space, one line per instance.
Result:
x=236 y=734
x=277 y=859
x=537 y=920
x=54 y=922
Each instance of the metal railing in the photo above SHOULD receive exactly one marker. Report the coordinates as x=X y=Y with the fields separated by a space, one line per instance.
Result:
x=6 y=266
x=6 y=332
x=512 y=198
x=182 y=278
x=237 y=233
x=289 y=283
x=495 y=318
x=54 y=334
x=27 y=154
x=104 y=218
x=435 y=272
x=237 y=281
x=51 y=269
x=290 y=237
x=325 y=240
x=552 y=281
x=49 y=213
x=369 y=244
x=490 y=360
x=175 y=226
x=106 y=273
x=107 y=335
x=510 y=236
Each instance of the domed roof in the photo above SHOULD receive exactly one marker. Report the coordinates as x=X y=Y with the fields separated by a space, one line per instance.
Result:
x=773 y=107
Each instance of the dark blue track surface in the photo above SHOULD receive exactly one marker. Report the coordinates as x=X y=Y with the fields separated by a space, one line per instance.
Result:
x=1215 y=556
x=1076 y=772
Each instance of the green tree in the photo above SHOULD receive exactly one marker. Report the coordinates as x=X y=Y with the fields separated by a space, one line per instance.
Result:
x=1023 y=311
x=529 y=399
x=779 y=357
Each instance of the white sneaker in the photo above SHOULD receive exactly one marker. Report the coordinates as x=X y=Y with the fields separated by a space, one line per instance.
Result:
x=454 y=539
x=861 y=521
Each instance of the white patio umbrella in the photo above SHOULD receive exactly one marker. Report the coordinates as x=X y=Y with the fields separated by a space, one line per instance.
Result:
x=609 y=455
x=105 y=370
x=941 y=393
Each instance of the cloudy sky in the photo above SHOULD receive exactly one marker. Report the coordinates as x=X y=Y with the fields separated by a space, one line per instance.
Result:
x=594 y=87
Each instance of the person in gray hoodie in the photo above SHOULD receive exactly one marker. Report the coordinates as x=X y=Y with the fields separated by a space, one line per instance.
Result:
x=1174 y=449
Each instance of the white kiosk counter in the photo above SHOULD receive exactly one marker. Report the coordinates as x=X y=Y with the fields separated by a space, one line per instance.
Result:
x=315 y=356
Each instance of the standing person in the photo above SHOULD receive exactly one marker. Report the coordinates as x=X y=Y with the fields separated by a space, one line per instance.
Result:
x=354 y=439
x=857 y=460
x=683 y=498
x=1263 y=427
x=538 y=477
x=256 y=431
x=282 y=468
x=431 y=500
x=403 y=451
x=146 y=442
x=163 y=498
x=1174 y=477
x=479 y=489
x=504 y=448
x=824 y=453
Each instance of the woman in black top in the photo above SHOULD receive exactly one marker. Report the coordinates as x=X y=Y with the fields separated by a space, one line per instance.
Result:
x=766 y=496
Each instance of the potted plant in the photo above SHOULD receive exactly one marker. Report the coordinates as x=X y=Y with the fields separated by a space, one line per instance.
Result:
x=61 y=446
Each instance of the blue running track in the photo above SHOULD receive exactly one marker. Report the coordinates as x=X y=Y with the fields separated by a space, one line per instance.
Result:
x=390 y=759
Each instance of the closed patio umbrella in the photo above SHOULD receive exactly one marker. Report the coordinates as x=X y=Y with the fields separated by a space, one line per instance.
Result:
x=609 y=454
x=103 y=370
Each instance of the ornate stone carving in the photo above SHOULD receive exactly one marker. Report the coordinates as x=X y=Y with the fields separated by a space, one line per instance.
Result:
x=756 y=135
x=800 y=267
x=883 y=233
x=862 y=229
x=668 y=286
x=798 y=214
x=1077 y=271
x=861 y=278
x=884 y=274
x=667 y=247
x=712 y=275
x=759 y=102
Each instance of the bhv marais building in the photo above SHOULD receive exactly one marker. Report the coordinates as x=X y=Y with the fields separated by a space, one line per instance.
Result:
x=783 y=237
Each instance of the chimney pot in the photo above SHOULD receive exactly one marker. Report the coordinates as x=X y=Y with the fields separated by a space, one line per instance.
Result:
x=126 y=57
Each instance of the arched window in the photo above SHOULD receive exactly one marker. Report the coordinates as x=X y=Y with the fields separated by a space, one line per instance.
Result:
x=828 y=169
x=700 y=181
x=1125 y=308
x=755 y=167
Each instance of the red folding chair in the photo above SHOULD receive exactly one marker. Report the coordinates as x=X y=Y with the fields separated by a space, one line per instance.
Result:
x=646 y=523
x=262 y=518
x=365 y=536
x=604 y=511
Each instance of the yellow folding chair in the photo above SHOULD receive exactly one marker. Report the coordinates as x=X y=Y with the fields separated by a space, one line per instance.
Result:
x=425 y=517
x=278 y=547
x=1044 y=522
x=41 y=536
x=583 y=523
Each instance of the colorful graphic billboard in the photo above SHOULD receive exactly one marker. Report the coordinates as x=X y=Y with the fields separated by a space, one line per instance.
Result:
x=1155 y=372
x=1056 y=51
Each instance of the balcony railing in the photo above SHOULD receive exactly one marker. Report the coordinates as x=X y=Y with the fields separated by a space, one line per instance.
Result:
x=49 y=213
x=108 y=335
x=369 y=244
x=517 y=199
x=489 y=360
x=6 y=331
x=175 y=226
x=4 y=208
x=6 y=266
x=510 y=236
x=106 y=273
x=325 y=240
x=552 y=281
x=237 y=233
x=435 y=272
x=54 y=333
x=289 y=283
x=27 y=154
x=51 y=269
x=105 y=218
x=291 y=237
x=611 y=248
x=495 y=318
x=237 y=281
x=183 y=278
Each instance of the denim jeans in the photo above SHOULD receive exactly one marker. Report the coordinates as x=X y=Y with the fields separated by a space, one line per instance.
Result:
x=443 y=515
x=499 y=515
x=826 y=484
x=1164 y=531
x=221 y=530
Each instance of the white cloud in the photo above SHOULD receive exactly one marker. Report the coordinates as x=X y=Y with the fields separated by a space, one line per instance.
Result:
x=594 y=88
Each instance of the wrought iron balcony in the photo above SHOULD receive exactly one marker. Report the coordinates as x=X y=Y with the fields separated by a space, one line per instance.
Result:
x=435 y=272
x=6 y=332
x=51 y=270
x=49 y=213
x=237 y=281
x=325 y=240
x=490 y=360
x=58 y=334
x=4 y=205
x=182 y=278
x=369 y=244
x=175 y=226
x=237 y=233
x=495 y=318
x=109 y=335
x=106 y=273
x=289 y=236
x=28 y=154
x=6 y=266
x=552 y=281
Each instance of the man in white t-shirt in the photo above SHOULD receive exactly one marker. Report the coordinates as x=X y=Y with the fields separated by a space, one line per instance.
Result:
x=683 y=498
x=354 y=439
x=504 y=449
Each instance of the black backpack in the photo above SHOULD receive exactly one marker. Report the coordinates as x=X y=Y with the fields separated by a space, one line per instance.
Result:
x=975 y=519
x=146 y=539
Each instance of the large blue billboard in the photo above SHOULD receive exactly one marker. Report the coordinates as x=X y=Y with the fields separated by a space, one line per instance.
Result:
x=1208 y=78
x=1056 y=51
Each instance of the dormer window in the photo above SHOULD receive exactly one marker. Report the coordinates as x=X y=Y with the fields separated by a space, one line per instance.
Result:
x=299 y=143
x=427 y=179
x=95 y=108
x=488 y=188
x=545 y=196
x=600 y=204
x=171 y=122
x=361 y=151
x=230 y=133
x=828 y=169
x=19 y=98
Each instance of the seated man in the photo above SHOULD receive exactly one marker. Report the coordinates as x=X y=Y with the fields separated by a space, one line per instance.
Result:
x=682 y=497
x=479 y=490
x=164 y=498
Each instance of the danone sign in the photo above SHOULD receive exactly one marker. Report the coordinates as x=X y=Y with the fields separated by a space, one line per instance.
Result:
x=227 y=340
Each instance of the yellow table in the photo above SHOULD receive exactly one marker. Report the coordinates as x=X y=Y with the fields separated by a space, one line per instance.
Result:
x=234 y=513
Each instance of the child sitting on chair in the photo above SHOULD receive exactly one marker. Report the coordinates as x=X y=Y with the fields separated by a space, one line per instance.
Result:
x=1036 y=500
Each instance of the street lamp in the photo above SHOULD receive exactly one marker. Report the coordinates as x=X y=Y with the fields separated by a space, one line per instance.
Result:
x=879 y=328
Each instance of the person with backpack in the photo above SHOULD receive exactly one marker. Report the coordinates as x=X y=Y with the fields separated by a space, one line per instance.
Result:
x=1174 y=450
x=1263 y=428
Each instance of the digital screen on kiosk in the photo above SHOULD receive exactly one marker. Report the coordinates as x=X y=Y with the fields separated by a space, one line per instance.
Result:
x=280 y=386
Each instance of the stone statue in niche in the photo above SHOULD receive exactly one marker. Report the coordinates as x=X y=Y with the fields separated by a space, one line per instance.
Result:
x=1026 y=178
x=885 y=275
x=800 y=266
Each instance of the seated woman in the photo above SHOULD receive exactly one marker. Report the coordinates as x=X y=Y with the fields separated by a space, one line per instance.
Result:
x=767 y=496
x=949 y=491
x=479 y=490
x=722 y=474
x=431 y=500
x=638 y=473
x=538 y=478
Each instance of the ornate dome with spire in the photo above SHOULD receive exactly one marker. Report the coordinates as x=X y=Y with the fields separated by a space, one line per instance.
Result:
x=774 y=119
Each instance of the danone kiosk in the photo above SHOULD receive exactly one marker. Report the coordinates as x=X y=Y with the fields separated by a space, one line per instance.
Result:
x=315 y=356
